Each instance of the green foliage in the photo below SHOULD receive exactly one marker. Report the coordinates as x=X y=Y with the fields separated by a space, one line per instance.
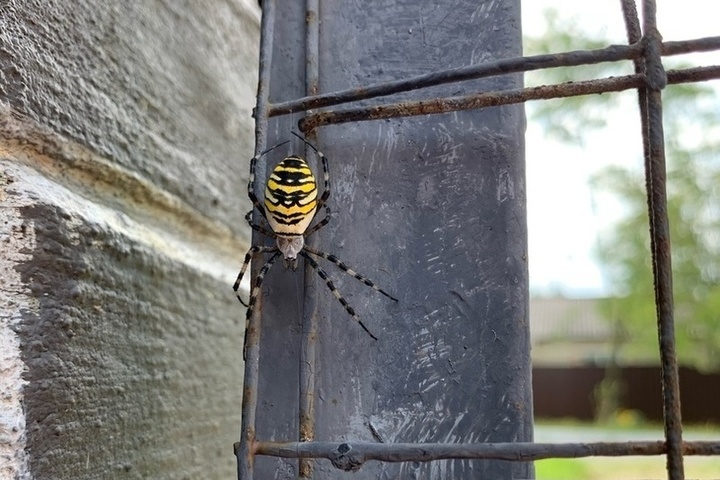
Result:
x=692 y=132
x=694 y=233
x=559 y=117
x=559 y=468
x=693 y=172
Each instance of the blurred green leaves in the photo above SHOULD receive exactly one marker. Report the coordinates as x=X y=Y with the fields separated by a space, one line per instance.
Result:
x=692 y=132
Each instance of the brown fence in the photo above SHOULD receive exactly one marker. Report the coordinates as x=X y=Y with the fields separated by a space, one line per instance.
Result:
x=568 y=393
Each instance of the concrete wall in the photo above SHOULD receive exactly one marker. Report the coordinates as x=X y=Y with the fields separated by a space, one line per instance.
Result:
x=125 y=132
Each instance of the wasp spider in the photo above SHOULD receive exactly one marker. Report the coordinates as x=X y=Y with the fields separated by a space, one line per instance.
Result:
x=290 y=205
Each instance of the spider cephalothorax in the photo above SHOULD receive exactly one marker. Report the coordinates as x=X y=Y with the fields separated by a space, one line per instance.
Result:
x=291 y=203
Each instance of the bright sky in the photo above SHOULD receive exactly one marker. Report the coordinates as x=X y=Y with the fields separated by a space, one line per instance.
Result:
x=563 y=218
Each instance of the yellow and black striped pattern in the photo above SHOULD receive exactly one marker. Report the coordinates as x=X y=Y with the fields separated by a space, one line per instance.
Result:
x=290 y=204
x=291 y=197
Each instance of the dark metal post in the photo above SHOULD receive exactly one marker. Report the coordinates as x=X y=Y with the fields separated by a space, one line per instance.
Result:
x=432 y=209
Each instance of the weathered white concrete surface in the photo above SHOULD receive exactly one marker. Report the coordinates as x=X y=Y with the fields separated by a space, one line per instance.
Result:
x=125 y=132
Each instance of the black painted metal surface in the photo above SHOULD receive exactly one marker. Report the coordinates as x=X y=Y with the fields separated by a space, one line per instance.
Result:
x=431 y=208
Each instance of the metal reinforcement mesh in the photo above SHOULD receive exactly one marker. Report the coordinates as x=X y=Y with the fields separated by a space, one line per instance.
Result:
x=645 y=49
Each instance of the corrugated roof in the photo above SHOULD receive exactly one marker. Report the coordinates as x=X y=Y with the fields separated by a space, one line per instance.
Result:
x=567 y=319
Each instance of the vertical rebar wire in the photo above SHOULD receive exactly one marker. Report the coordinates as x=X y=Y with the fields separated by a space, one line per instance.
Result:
x=310 y=305
x=634 y=34
x=656 y=79
x=245 y=453
x=632 y=26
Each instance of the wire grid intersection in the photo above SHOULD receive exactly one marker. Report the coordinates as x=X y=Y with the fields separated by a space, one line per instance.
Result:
x=645 y=48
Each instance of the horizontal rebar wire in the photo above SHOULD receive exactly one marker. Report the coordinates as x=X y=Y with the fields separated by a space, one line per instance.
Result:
x=503 y=97
x=612 y=53
x=357 y=453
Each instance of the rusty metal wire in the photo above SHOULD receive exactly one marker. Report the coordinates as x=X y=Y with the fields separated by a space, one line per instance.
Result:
x=645 y=49
x=654 y=142
x=310 y=307
x=493 y=99
x=503 y=66
x=350 y=456
x=656 y=180
x=245 y=447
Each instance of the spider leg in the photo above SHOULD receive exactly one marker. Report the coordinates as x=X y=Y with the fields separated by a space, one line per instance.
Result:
x=258 y=228
x=252 y=251
x=335 y=292
x=320 y=224
x=251 y=179
x=326 y=173
x=256 y=291
x=326 y=179
x=332 y=258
